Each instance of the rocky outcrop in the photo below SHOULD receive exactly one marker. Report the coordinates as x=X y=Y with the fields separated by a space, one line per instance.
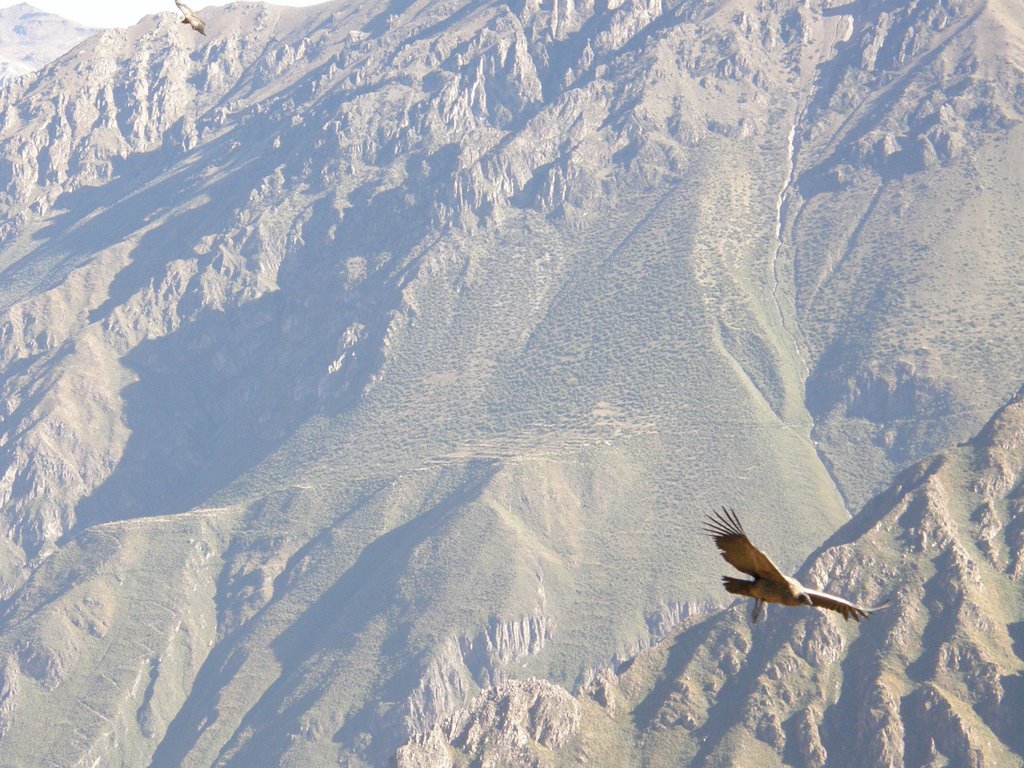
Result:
x=504 y=642
x=8 y=694
x=504 y=725
x=464 y=665
x=883 y=45
x=432 y=752
x=669 y=617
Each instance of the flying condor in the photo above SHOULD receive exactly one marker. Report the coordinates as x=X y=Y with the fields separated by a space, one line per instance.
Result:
x=769 y=585
x=190 y=18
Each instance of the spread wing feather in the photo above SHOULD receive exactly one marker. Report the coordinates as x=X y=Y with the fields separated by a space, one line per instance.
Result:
x=732 y=542
x=191 y=18
x=839 y=605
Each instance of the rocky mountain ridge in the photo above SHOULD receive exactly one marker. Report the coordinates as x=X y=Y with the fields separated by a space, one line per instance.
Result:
x=410 y=345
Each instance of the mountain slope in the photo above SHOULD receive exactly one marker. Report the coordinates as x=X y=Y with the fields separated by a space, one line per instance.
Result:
x=30 y=39
x=408 y=346
x=936 y=679
x=899 y=231
x=412 y=459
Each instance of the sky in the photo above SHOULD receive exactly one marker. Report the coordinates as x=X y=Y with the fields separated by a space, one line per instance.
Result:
x=121 y=13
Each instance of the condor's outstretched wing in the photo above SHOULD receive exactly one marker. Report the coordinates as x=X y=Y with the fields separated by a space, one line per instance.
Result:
x=190 y=18
x=839 y=605
x=736 y=548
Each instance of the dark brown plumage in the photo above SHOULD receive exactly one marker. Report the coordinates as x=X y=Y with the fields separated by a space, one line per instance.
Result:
x=770 y=585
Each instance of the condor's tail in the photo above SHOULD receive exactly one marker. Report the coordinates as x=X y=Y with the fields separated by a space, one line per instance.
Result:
x=737 y=586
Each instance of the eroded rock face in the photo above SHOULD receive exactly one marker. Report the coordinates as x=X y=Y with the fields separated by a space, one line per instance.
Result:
x=503 y=725
x=8 y=693
x=432 y=752
x=466 y=664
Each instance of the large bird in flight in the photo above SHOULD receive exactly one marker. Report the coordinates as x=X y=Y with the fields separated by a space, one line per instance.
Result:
x=190 y=18
x=770 y=585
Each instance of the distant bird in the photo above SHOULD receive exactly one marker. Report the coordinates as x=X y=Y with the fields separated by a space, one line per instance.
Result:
x=770 y=585
x=190 y=18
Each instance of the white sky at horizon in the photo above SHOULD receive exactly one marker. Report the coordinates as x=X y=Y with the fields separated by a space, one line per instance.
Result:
x=122 y=13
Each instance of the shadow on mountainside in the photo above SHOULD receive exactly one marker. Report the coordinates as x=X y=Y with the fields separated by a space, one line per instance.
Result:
x=231 y=369
x=311 y=648
x=224 y=390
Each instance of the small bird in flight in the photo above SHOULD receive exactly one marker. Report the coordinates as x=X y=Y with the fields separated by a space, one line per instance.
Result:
x=190 y=18
x=770 y=585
